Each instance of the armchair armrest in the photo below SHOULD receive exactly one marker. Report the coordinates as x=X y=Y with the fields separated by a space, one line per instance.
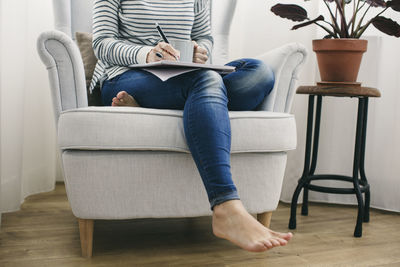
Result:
x=65 y=69
x=286 y=62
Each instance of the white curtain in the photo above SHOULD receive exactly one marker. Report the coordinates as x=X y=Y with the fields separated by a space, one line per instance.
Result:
x=256 y=30
x=27 y=131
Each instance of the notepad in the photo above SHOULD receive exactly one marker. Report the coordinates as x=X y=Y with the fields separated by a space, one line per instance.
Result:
x=166 y=69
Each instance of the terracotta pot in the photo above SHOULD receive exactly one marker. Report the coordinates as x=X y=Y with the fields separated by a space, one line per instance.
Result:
x=339 y=59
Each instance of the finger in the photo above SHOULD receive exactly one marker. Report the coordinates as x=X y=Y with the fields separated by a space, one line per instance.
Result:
x=196 y=60
x=199 y=61
x=195 y=45
x=168 y=48
x=201 y=50
x=200 y=58
x=153 y=57
x=175 y=56
x=168 y=56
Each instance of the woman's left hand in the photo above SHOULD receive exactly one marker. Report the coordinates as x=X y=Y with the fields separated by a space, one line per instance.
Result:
x=199 y=54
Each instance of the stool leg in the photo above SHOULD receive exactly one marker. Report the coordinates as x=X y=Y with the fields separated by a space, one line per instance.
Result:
x=366 y=205
x=304 y=207
x=362 y=161
x=356 y=165
x=304 y=178
x=293 y=207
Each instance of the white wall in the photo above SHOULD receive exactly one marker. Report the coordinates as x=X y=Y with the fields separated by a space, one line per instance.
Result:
x=255 y=30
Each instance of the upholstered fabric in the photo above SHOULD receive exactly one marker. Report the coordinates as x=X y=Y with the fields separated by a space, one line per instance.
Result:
x=150 y=184
x=84 y=42
x=285 y=61
x=126 y=128
x=122 y=163
x=66 y=74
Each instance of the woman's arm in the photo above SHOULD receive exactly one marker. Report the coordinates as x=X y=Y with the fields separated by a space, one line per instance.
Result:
x=106 y=44
x=201 y=31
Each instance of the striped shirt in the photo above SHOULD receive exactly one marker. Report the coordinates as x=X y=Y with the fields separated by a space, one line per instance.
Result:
x=124 y=30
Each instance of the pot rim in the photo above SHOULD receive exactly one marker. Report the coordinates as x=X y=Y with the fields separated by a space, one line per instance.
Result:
x=341 y=44
x=341 y=39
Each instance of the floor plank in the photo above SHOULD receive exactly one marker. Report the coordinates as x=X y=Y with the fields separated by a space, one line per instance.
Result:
x=45 y=233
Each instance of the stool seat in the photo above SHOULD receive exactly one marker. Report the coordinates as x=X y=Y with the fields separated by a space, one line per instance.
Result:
x=351 y=91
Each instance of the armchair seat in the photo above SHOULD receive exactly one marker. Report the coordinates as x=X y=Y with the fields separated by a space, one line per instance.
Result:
x=127 y=128
x=128 y=163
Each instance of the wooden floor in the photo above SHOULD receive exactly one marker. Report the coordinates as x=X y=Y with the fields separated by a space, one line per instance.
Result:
x=45 y=233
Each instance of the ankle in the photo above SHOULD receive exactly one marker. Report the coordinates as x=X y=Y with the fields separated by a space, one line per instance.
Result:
x=228 y=208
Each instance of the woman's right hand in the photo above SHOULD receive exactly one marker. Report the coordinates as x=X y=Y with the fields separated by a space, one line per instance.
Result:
x=163 y=49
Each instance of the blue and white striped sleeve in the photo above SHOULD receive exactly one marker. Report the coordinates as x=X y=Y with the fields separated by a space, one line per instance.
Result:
x=106 y=44
x=201 y=31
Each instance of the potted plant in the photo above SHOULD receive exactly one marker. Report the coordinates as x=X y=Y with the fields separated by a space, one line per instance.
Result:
x=339 y=53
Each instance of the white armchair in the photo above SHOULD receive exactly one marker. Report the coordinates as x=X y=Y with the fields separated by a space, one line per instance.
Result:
x=126 y=163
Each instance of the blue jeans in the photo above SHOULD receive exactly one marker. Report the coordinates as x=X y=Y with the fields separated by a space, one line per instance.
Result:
x=205 y=97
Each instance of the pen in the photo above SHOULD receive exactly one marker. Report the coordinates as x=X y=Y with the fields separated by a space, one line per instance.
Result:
x=160 y=31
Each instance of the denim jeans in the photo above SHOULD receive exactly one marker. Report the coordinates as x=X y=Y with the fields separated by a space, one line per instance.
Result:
x=205 y=97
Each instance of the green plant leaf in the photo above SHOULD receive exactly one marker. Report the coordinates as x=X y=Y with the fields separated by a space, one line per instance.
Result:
x=292 y=12
x=387 y=26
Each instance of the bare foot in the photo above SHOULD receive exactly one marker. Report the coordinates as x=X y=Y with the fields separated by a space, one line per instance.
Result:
x=124 y=99
x=231 y=221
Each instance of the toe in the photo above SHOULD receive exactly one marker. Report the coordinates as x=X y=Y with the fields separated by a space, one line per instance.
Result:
x=122 y=95
x=275 y=243
x=124 y=98
x=282 y=241
x=258 y=247
x=268 y=244
x=286 y=236
x=115 y=102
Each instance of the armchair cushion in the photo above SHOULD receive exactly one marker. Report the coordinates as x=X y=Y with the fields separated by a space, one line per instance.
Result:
x=127 y=128
x=84 y=42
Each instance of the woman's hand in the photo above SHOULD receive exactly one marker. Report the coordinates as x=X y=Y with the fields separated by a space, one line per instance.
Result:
x=199 y=54
x=162 y=51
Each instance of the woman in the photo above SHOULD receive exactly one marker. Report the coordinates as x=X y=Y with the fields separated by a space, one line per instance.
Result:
x=124 y=34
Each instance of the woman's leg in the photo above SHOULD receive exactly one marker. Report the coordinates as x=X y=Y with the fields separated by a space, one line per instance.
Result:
x=247 y=87
x=203 y=96
x=208 y=134
x=148 y=90
x=207 y=131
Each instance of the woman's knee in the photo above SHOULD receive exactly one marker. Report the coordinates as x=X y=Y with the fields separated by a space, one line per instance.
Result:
x=264 y=70
x=209 y=81
x=260 y=71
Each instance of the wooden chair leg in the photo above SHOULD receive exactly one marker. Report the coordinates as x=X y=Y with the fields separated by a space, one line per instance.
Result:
x=265 y=218
x=86 y=235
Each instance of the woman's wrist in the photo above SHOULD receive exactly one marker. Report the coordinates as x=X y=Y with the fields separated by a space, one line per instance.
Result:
x=142 y=55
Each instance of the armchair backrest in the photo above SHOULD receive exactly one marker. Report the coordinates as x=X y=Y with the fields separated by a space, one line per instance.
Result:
x=76 y=16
